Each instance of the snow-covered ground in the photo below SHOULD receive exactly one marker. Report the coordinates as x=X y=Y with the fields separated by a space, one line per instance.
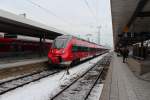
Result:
x=47 y=87
x=96 y=92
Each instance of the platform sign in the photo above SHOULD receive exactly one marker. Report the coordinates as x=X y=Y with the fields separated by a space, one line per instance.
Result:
x=126 y=29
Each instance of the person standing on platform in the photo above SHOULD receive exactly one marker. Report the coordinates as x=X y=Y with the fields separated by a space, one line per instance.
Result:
x=125 y=53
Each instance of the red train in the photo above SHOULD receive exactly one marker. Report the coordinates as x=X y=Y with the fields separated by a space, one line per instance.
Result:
x=14 y=46
x=68 y=49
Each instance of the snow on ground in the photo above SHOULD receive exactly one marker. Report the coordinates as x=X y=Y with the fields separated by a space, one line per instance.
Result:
x=96 y=92
x=49 y=86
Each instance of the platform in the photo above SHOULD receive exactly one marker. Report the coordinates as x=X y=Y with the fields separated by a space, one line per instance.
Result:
x=21 y=62
x=122 y=84
x=139 y=67
x=16 y=67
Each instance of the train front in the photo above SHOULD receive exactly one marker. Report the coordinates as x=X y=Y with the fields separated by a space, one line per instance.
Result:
x=60 y=52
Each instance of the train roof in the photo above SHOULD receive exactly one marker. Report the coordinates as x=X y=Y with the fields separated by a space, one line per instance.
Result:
x=70 y=36
x=65 y=36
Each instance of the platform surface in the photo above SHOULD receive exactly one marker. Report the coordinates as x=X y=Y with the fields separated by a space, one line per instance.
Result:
x=17 y=62
x=122 y=84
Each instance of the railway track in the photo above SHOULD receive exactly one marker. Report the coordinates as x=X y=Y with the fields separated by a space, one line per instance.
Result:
x=81 y=87
x=12 y=84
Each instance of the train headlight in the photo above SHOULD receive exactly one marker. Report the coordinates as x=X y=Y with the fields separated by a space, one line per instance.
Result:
x=63 y=51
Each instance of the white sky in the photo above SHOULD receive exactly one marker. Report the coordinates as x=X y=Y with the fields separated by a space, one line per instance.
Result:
x=72 y=16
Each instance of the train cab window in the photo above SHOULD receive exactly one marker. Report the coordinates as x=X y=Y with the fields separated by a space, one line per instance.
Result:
x=60 y=43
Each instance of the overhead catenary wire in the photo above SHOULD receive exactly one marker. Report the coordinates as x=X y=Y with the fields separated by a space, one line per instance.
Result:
x=95 y=17
x=97 y=9
x=90 y=10
x=49 y=11
x=52 y=13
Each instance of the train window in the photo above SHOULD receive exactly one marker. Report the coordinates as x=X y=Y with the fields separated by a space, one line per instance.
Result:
x=83 y=49
x=60 y=43
x=75 y=48
x=2 y=45
x=80 y=48
x=86 y=49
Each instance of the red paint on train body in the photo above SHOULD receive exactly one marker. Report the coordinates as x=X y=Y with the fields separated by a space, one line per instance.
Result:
x=67 y=49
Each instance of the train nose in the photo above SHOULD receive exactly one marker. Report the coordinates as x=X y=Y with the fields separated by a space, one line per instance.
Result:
x=57 y=52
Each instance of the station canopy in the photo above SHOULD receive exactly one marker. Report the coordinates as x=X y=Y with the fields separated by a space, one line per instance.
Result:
x=15 y=24
x=130 y=16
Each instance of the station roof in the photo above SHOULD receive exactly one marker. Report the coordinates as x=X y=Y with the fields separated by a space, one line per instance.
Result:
x=130 y=16
x=15 y=24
